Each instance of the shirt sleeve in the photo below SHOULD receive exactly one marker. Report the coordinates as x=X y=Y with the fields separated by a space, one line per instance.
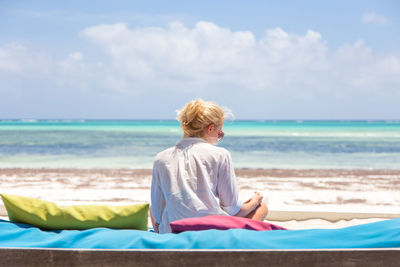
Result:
x=227 y=187
x=157 y=196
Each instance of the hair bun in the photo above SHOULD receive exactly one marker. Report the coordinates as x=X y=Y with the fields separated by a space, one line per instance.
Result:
x=198 y=114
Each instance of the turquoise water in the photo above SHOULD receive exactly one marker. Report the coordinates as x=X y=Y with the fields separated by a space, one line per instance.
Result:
x=253 y=144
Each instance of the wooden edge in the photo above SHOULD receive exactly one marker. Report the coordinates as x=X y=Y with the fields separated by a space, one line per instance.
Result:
x=158 y=257
x=287 y=215
x=3 y=211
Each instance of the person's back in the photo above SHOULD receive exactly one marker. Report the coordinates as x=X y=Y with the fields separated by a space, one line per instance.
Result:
x=196 y=178
x=191 y=180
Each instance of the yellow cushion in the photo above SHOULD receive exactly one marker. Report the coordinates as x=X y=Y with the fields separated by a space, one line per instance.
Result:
x=47 y=215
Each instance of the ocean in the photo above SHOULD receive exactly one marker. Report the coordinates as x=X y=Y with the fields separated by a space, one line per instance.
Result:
x=133 y=144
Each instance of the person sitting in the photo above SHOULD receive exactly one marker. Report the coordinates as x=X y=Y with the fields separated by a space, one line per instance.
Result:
x=195 y=178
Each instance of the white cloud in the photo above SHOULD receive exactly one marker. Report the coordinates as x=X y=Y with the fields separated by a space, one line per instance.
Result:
x=208 y=54
x=206 y=57
x=17 y=59
x=76 y=73
x=13 y=57
x=360 y=67
x=71 y=63
x=176 y=50
x=372 y=17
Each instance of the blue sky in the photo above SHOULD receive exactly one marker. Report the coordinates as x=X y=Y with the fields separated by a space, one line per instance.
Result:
x=145 y=59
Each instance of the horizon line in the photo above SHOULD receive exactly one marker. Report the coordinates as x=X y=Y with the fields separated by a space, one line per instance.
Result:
x=169 y=119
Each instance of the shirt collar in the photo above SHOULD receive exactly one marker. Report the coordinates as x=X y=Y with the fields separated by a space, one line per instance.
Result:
x=190 y=141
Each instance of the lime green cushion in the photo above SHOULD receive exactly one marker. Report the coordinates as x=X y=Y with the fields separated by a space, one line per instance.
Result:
x=47 y=215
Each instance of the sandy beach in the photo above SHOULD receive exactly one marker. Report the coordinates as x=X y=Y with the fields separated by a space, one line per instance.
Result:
x=283 y=189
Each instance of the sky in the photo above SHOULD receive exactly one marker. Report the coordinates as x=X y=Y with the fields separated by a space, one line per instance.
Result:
x=264 y=60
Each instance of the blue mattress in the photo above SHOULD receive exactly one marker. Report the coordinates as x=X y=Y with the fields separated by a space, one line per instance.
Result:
x=383 y=234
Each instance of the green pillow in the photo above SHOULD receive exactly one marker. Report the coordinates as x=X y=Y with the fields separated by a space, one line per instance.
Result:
x=47 y=215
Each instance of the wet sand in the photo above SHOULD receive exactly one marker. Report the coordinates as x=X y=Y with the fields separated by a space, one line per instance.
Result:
x=243 y=172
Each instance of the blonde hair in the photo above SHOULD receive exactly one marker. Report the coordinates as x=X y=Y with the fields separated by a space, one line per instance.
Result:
x=198 y=114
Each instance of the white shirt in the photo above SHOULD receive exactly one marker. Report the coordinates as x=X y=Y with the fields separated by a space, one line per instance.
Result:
x=193 y=179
